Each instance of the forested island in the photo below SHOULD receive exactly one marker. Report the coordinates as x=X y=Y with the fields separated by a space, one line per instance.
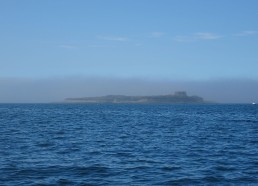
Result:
x=177 y=97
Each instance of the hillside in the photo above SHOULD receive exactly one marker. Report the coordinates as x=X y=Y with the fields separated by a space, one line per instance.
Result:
x=178 y=97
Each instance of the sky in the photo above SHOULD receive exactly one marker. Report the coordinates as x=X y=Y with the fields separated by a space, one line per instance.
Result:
x=134 y=46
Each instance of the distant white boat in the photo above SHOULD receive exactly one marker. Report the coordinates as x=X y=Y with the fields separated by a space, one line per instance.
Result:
x=253 y=103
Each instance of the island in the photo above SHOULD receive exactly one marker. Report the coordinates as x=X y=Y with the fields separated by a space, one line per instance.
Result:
x=177 y=97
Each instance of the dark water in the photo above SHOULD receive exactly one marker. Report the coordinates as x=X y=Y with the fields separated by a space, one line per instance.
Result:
x=48 y=144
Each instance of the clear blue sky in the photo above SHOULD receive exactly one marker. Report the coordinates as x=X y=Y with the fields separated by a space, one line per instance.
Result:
x=173 y=39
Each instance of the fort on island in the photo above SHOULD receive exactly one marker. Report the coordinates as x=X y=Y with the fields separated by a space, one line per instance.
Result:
x=177 y=97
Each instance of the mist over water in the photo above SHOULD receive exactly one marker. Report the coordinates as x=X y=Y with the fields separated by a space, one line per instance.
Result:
x=31 y=90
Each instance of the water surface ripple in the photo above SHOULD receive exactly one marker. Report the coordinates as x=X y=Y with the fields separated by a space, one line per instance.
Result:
x=73 y=144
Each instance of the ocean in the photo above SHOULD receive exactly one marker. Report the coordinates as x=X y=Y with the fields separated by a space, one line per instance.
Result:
x=130 y=144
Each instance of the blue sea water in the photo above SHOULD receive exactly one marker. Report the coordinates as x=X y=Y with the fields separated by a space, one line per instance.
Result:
x=80 y=144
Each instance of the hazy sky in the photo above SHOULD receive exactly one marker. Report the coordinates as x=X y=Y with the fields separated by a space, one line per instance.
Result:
x=154 y=42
